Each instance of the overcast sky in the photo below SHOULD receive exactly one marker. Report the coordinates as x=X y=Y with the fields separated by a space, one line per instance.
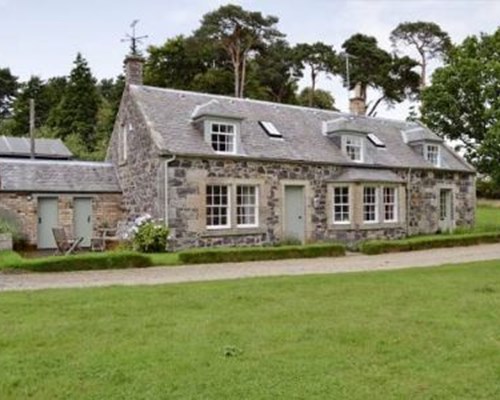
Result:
x=42 y=37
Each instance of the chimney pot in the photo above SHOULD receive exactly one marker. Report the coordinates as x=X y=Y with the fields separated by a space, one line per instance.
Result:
x=133 y=69
x=357 y=104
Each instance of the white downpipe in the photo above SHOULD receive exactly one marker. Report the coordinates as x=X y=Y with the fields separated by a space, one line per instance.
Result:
x=165 y=184
x=408 y=201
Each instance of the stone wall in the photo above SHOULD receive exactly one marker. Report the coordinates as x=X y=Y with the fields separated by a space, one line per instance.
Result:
x=188 y=177
x=106 y=210
x=141 y=174
x=424 y=191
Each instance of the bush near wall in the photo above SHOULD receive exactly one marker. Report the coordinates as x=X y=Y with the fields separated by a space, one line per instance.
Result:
x=79 y=262
x=394 y=246
x=260 y=253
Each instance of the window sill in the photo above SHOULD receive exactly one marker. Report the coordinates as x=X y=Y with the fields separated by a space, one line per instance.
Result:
x=381 y=225
x=233 y=232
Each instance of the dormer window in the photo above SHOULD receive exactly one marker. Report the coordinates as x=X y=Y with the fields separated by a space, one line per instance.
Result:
x=432 y=154
x=222 y=137
x=353 y=147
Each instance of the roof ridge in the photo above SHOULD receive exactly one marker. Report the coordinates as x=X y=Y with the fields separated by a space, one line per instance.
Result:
x=271 y=103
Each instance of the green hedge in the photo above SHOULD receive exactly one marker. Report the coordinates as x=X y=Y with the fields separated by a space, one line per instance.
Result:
x=260 y=253
x=82 y=262
x=394 y=246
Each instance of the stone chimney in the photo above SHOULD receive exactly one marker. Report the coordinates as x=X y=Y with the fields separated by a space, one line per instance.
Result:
x=133 y=69
x=357 y=104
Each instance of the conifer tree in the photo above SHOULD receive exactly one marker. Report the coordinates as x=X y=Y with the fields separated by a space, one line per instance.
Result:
x=76 y=114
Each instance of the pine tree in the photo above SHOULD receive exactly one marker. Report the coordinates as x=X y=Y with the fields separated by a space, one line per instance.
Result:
x=76 y=114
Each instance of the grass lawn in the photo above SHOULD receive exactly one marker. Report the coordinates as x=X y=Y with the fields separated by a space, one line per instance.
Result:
x=411 y=334
x=487 y=218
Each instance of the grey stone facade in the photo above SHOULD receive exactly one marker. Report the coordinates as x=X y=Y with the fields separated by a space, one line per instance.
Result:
x=140 y=172
x=188 y=177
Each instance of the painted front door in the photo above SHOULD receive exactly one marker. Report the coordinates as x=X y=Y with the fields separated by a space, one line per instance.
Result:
x=294 y=220
x=445 y=210
x=82 y=219
x=47 y=219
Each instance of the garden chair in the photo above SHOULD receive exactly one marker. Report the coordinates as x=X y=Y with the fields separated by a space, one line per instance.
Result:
x=65 y=244
x=106 y=236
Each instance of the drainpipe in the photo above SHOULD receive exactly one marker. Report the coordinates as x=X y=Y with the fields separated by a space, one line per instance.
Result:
x=408 y=197
x=167 y=161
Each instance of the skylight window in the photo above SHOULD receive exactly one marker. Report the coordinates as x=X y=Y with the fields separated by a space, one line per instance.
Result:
x=270 y=129
x=375 y=140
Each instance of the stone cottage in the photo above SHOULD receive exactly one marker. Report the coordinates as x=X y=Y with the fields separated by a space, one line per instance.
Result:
x=43 y=189
x=225 y=171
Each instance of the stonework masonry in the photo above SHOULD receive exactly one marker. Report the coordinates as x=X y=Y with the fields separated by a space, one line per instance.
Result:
x=139 y=173
x=23 y=207
x=188 y=177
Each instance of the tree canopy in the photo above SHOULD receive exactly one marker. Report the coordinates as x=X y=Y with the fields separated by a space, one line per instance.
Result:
x=427 y=38
x=240 y=33
x=8 y=89
x=463 y=101
x=370 y=66
x=318 y=58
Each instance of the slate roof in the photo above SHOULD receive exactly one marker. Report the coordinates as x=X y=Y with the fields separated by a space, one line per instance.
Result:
x=368 y=175
x=57 y=176
x=169 y=113
x=44 y=148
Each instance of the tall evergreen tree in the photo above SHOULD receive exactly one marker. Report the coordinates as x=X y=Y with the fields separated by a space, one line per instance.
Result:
x=8 y=88
x=76 y=114
x=319 y=58
x=32 y=89
x=427 y=38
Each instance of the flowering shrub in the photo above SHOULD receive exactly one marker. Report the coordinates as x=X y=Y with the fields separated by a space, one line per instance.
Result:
x=147 y=235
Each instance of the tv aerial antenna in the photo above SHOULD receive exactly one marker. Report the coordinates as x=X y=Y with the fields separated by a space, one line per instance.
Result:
x=134 y=39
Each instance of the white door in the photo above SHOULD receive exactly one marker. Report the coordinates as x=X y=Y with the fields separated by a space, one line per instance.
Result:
x=294 y=220
x=82 y=219
x=47 y=219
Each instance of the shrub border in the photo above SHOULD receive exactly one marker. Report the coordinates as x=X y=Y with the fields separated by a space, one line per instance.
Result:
x=83 y=262
x=214 y=255
x=394 y=246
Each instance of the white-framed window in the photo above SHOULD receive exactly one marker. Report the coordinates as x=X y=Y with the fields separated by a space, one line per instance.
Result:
x=370 y=206
x=123 y=139
x=223 y=137
x=389 y=195
x=218 y=202
x=432 y=154
x=341 y=205
x=247 y=206
x=353 y=147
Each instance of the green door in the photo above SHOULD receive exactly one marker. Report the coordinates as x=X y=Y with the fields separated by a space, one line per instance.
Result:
x=47 y=219
x=82 y=219
x=294 y=220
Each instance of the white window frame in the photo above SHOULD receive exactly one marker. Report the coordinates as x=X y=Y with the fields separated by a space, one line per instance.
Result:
x=357 y=142
x=255 y=206
x=375 y=204
x=123 y=141
x=232 y=135
x=427 y=147
x=341 y=204
x=393 y=204
x=228 y=207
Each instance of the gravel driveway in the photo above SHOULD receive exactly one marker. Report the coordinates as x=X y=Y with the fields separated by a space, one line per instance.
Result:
x=209 y=272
